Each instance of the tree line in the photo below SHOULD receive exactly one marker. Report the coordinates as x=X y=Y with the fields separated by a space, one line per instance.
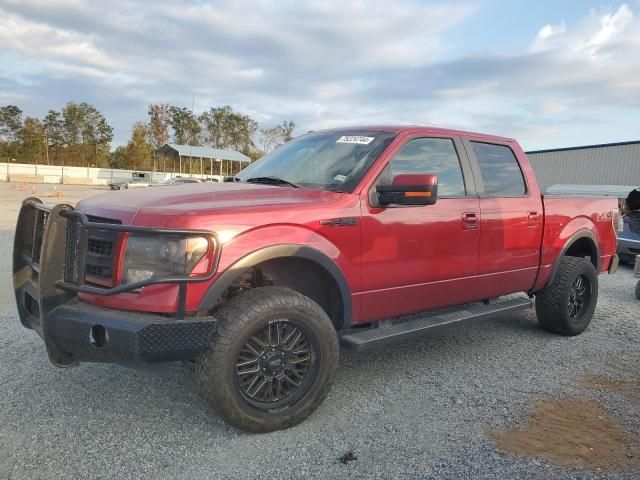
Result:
x=79 y=135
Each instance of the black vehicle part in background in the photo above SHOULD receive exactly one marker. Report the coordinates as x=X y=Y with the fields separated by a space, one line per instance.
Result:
x=633 y=200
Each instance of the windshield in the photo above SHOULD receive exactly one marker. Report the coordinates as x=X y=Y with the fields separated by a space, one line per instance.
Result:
x=335 y=160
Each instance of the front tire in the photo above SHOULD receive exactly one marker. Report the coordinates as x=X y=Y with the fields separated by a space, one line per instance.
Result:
x=638 y=290
x=567 y=304
x=272 y=360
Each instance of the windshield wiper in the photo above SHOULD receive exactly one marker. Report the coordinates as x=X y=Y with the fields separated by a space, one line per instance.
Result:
x=272 y=181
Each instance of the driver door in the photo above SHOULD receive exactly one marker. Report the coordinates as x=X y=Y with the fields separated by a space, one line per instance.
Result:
x=417 y=258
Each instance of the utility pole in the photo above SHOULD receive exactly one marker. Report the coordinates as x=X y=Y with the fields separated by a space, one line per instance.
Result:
x=46 y=147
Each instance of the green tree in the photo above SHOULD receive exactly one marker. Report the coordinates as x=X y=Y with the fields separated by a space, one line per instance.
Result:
x=159 y=124
x=273 y=137
x=137 y=153
x=87 y=133
x=10 y=126
x=269 y=138
x=54 y=130
x=185 y=125
x=287 y=128
x=72 y=121
x=117 y=158
x=216 y=123
x=255 y=154
x=225 y=128
x=32 y=141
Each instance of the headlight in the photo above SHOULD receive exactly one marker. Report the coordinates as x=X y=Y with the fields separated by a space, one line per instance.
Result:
x=161 y=256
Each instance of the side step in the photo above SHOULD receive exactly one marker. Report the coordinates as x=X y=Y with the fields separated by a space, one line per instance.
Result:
x=377 y=336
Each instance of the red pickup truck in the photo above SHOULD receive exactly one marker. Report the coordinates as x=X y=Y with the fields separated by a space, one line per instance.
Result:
x=331 y=239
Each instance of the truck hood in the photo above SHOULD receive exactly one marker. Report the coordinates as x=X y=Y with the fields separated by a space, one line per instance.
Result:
x=161 y=204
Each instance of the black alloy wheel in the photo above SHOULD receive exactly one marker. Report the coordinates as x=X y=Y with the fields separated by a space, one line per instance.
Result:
x=275 y=365
x=579 y=296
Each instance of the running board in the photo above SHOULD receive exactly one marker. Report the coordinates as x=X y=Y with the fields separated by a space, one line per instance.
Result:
x=382 y=335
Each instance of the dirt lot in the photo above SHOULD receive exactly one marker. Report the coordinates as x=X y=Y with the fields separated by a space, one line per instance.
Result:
x=496 y=399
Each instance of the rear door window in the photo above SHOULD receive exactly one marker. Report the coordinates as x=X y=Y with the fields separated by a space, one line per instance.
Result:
x=500 y=170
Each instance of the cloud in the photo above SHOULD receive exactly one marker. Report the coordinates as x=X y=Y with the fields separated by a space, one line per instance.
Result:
x=324 y=64
x=545 y=34
x=591 y=37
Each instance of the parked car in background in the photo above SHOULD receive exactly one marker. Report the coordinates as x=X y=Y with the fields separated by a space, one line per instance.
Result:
x=636 y=273
x=176 y=181
x=629 y=238
x=131 y=183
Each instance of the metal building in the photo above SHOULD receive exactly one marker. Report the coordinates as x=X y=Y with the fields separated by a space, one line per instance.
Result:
x=606 y=164
x=183 y=157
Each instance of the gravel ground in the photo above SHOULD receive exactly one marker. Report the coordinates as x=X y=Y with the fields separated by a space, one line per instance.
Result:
x=416 y=410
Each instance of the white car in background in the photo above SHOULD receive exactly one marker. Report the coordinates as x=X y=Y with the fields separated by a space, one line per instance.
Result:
x=127 y=184
x=176 y=181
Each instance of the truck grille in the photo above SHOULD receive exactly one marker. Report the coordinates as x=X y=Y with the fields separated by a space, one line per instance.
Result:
x=99 y=255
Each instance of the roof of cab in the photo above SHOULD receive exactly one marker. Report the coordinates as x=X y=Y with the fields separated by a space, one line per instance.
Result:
x=428 y=130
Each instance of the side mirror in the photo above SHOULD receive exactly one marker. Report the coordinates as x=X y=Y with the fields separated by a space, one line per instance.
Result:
x=409 y=189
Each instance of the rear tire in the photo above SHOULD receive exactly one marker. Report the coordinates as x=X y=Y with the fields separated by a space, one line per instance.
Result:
x=638 y=290
x=272 y=360
x=567 y=304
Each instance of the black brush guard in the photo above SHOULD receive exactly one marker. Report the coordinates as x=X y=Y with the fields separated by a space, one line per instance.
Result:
x=49 y=267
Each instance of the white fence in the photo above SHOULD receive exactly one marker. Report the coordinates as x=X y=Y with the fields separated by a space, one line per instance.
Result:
x=94 y=176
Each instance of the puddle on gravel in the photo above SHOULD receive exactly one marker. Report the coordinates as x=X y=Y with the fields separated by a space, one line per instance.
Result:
x=575 y=432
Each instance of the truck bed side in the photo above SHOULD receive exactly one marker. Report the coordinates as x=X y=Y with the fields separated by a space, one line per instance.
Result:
x=592 y=232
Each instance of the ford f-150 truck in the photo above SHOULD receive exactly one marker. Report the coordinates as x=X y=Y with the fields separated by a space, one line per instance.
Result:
x=333 y=238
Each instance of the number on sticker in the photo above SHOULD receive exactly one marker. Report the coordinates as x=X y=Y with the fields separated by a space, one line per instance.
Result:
x=355 y=139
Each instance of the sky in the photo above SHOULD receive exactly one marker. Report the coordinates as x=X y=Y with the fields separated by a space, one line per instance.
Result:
x=549 y=73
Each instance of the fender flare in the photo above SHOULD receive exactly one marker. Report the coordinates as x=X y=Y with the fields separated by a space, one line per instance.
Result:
x=573 y=239
x=218 y=287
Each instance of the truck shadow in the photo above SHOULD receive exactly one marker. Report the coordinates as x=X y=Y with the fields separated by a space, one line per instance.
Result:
x=167 y=392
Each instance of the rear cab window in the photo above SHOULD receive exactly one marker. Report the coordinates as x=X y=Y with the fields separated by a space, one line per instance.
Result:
x=500 y=170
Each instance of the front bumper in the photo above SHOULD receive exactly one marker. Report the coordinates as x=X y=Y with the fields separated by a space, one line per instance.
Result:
x=87 y=333
x=48 y=273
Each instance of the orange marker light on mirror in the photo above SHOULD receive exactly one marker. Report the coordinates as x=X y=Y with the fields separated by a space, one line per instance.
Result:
x=417 y=194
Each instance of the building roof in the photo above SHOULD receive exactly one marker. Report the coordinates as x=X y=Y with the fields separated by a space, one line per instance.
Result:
x=202 y=152
x=618 y=191
x=583 y=147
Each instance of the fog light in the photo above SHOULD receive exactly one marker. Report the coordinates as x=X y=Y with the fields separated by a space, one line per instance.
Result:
x=98 y=336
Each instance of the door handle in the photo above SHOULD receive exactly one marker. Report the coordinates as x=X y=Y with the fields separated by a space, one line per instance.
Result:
x=532 y=218
x=470 y=220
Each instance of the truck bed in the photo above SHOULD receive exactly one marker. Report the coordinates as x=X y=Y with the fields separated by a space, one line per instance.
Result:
x=588 y=215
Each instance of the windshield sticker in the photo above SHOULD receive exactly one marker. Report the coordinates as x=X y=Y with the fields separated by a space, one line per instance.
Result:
x=340 y=178
x=355 y=139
